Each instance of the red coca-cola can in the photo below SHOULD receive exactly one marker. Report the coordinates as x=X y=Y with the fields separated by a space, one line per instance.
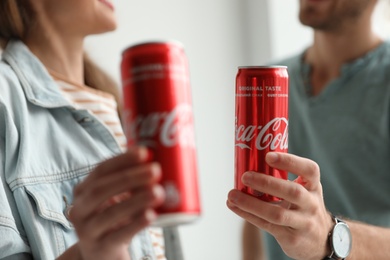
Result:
x=158 y=114
x=261 y=122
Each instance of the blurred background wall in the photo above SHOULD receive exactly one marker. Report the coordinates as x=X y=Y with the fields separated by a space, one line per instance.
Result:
x=218 y=36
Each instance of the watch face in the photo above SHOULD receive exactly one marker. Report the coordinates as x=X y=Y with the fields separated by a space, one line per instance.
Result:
x=341 y=240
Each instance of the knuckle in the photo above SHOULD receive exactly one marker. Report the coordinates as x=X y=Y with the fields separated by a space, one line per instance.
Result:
x=280 y=216
x=297 y=192
x=314 y=167
x=311 y=226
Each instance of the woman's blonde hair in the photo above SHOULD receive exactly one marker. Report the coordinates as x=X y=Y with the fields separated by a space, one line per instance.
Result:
x=18 y=16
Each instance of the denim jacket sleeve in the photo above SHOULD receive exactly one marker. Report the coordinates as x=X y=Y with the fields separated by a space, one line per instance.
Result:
x=13 y=243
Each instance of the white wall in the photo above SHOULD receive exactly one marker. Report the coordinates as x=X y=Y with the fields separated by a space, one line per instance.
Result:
x=218 y=36
x=381 y=19
x=287 y=35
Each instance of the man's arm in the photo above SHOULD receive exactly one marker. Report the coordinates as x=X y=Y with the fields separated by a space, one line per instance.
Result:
x=369 y=242
x=301 y=223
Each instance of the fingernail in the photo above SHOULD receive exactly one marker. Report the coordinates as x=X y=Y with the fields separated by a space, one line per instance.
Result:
x=247 y=178
x=272 y=157
x=156 y=170
x=230 y=205
x=146 y=155
x=233 y=197
x=158 y=191
x=150 y=215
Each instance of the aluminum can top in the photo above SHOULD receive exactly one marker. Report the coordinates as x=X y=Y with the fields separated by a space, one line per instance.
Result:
x=153 y=44
x=263 y=67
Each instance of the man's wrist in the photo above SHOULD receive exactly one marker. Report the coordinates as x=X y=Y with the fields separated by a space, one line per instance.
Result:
x=339 y=240
x=328 y=249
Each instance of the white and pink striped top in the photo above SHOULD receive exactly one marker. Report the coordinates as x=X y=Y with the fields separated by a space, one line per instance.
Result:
x=103 y=105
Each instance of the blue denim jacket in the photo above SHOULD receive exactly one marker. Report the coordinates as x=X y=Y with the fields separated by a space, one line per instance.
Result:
x=46 y=148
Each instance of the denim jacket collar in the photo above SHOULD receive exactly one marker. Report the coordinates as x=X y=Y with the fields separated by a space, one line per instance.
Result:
x=39 y=87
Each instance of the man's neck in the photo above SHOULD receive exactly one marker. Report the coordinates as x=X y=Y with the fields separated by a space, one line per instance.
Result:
x=331 y=50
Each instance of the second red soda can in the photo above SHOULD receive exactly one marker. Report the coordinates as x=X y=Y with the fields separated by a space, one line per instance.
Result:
x=261 y=122
x=158 y=114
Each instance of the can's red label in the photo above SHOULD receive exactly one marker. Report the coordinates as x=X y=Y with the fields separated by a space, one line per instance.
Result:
x=261 y=122
x=158 y=114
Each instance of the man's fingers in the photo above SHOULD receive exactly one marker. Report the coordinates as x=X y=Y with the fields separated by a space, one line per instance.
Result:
x=269 y=212
x=287 y=190
x=308 y=170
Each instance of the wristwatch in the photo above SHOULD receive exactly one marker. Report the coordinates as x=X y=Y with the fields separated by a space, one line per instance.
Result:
x=340 y=240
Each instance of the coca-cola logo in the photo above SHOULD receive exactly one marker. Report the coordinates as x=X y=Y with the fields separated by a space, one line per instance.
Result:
x=169 y=128
x=273 y=135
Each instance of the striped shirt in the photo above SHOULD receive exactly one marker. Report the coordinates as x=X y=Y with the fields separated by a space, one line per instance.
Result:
x=104 y=107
